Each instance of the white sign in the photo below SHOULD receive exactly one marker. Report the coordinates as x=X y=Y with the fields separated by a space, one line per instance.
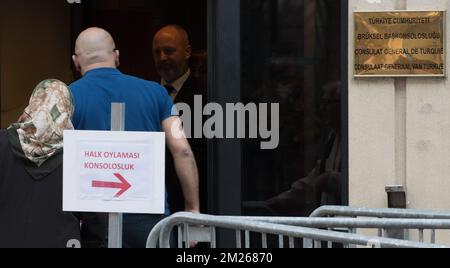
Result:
x=114 y=172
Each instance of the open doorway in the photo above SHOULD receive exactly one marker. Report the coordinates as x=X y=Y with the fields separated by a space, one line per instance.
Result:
x=133 y=25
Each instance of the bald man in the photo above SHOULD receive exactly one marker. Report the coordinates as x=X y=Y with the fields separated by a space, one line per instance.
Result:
x=148 y=108
x=171 y=53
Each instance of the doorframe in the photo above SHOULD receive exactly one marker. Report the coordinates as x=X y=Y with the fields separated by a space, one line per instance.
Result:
x=344 y=103
x=224 y=86
x=1 y=52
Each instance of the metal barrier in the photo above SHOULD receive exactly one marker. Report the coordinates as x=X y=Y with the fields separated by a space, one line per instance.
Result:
x=288 y=228
x=382 y=213
x=333 y=211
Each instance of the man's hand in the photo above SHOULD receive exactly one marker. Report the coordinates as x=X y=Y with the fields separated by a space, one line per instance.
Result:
x=195 y=211
x=193 y=244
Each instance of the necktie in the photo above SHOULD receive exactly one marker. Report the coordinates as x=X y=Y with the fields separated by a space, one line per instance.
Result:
x=171 y=90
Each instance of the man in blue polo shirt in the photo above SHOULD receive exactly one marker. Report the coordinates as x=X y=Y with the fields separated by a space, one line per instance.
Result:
x=148 y=108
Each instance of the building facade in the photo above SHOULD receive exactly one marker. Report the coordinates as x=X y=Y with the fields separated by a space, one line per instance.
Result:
x=392 y=131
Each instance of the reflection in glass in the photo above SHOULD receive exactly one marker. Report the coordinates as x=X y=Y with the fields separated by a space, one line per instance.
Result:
x=291 y=56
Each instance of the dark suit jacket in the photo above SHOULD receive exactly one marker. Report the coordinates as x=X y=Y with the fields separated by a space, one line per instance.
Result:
x=186 y=95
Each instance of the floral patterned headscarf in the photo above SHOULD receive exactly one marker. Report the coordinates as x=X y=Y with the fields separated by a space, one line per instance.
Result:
x=41 y=126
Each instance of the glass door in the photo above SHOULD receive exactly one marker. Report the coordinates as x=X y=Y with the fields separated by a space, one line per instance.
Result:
x=289 y=55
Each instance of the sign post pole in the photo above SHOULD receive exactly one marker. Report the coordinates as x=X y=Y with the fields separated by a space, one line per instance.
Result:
x=116 y=219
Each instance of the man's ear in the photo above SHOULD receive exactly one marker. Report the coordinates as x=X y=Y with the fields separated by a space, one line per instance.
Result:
x=76 y=63
x=188 y=52
x=117 y=58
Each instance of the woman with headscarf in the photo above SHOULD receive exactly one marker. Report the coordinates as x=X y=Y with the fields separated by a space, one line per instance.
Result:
x=31 y=173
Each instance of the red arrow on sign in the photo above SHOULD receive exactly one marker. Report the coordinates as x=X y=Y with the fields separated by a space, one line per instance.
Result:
x=123 y=186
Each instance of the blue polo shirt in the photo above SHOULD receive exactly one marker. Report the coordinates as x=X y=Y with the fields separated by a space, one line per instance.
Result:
x=147 y=103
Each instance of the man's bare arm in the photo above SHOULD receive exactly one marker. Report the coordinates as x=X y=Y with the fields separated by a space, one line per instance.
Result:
x=185 y=164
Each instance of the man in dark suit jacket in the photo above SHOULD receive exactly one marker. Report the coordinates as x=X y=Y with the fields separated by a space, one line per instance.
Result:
x=171 y=53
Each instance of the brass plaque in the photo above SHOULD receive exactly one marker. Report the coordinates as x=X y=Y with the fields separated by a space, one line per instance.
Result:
x=406 y=43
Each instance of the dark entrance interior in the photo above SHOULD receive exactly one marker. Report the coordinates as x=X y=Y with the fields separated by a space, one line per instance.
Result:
x=133 y=24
